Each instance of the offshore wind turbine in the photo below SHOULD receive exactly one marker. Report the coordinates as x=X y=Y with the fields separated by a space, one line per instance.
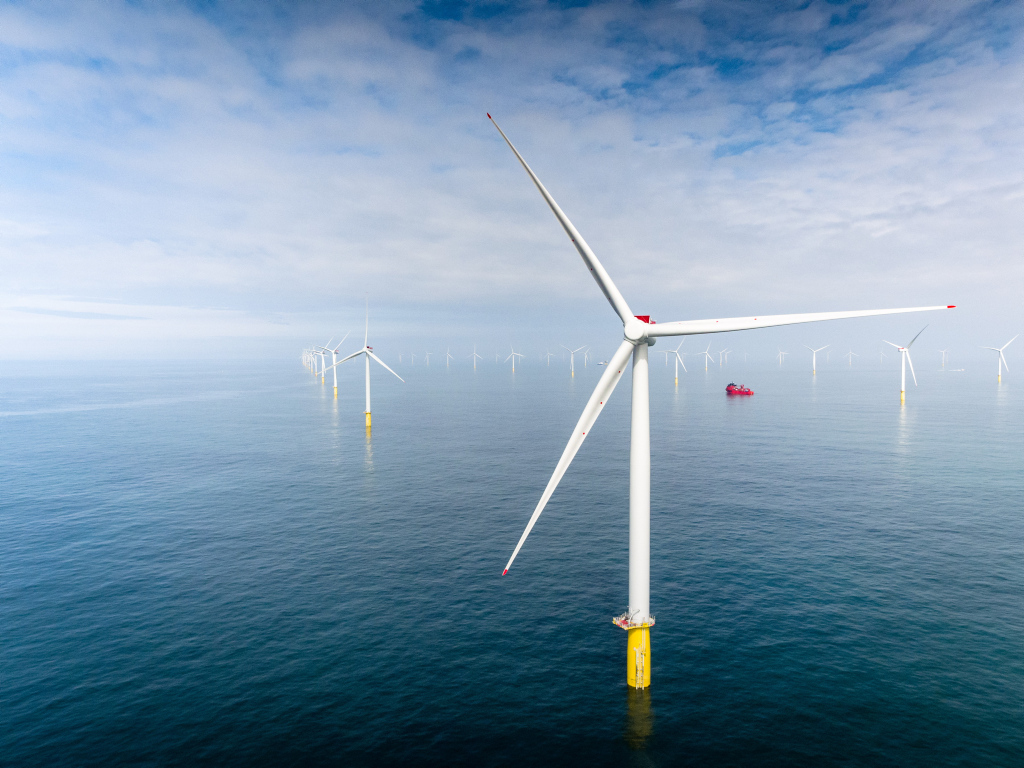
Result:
x=322 y=351
x=513 y=357
x=1002 y=360
x=904 y=359
x=427 y=356
x=639 y=333
x=572 y=358
x=850 y=355
x=944 y=353
x=548 y=356
x=814 y=358
x=334 y=360
x=707 y=357
x=448 y=357
x=679 y=360
x=781 y=356
x=367 y=352
x=475 y=357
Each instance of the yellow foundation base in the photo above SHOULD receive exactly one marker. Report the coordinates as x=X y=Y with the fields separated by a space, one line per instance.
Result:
x=677 y=381
x=335 y=393
x=1000 y=379
x=367 y=419
x=638 y=656
x=903 y=396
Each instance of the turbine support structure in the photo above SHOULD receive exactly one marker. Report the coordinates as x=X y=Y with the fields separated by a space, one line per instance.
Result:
x=638 y=618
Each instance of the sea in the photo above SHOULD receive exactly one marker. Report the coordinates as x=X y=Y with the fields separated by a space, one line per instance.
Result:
x=213 y=563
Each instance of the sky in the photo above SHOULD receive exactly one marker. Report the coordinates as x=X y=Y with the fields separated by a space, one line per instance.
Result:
x=229 y=179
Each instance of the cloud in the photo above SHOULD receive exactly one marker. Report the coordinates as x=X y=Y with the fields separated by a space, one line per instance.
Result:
x=721 y=158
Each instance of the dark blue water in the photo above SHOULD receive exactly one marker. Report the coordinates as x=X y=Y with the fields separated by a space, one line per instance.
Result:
x=211 y=566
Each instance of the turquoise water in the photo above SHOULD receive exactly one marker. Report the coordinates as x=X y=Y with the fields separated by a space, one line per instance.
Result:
x=202 y=566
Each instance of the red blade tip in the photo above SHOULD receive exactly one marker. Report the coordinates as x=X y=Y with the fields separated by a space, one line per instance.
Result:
x=506 y=570
x=489 y=116
x=951 y=306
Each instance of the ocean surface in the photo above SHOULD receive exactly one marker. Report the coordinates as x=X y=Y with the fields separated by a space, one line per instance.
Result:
x=207 y=564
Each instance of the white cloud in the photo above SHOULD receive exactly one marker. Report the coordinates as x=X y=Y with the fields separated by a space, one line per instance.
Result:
x=155 y=156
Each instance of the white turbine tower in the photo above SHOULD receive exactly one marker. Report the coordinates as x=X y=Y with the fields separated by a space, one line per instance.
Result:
x=814 y=358
x=334 y=360
x=572 y=358
x=904 y=359
x=322 y=351
x=513 y=357
x=639 y=333
x=448 y=358
x=475 y=357
x=679 y=360
x=707 y=357
x=367 y=350
x=1002 y=360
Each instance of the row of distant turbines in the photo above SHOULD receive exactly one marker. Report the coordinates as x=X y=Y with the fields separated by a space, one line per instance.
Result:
x=314 y=358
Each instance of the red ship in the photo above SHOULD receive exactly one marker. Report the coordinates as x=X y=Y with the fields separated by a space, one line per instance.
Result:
x=734 y=389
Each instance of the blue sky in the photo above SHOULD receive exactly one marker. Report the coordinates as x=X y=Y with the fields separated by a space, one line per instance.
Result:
x=237 y=177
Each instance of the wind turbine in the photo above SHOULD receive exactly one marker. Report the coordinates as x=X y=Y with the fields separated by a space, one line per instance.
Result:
x=548 y=357
x=427 y=356
x=707 y=357
x=586 y=356
x=475 y=357
x=814 y=358
x=1002 y=360
x=513 y=357
x=322 y=351
x=367 y=350
x=781 y=356
x=944 y=353
x=904 y=359
x=448 y=358
x=572 y=358
x=639 y=333
x=721 y=354
x=850 y=355
x=334 y=360
x=679 y=360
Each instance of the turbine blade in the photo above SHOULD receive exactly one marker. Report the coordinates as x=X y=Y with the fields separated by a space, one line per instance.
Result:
x=1008 y=343
x=604 y=281
x=915 y=338
x=890 y=344
x=342 y=341
x=385 y=365
x=693 y=327
x=911 y=362
x=1004 y=360
x=344 y=359
x=596 y=403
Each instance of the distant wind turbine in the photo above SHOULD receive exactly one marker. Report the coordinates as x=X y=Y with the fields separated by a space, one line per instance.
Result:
x=707 y=357
x=513 y=357
x=448 y=357
x=572 y=358
x=944 y=352
x=475 y=357
x=1002 y=360
x=850 y=355
x=814 y=358
x=781 y=356
x=679 y=360
x=904 y=359
x=367 y=351
x=334 y=360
